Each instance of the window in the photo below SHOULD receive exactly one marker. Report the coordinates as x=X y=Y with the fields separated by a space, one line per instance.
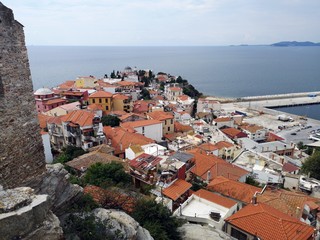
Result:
x=93 y=100
x=237 y=234
x=168 y=129
x=171 y=121
x=100 y=100
x=107 y=108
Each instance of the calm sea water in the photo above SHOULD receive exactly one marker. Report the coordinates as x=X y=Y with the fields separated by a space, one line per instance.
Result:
x=230 y=71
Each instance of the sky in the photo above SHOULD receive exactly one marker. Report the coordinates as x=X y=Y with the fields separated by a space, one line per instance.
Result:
x=166 y=22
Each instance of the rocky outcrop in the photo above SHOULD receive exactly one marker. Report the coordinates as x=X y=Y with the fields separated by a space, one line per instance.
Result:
x=27 y=216
x=190 y=231
x=61 y=192
x=121 y=225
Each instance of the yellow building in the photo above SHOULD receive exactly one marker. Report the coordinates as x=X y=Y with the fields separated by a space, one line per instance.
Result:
x=86 y=82
x=166 y=118
x=122 y=103
x=102 y=98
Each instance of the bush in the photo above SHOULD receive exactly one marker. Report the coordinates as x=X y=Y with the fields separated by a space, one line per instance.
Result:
x=105 y=175
x=157 y=219
x=69 y=153
x=85 y=227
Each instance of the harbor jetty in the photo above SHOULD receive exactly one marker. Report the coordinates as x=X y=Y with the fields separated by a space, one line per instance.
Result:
x=281 y=100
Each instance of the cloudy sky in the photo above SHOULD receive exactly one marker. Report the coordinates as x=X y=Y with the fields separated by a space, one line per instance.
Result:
x=166 y=22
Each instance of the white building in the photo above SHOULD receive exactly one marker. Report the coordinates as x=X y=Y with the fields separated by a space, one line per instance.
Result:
x=208 y=104
x=206 y=207
x=148 y=128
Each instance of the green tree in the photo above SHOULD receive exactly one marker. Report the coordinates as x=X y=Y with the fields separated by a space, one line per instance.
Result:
x=86 y=227
x=312 y=165
x=110 y=120
x=105 y=175
x=250 y=180
x=162 y=86
x=145 y=94
x=69 y=153
x=113 y=74
x=157 y=219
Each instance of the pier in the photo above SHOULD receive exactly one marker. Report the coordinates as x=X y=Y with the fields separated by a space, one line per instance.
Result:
x=281 y=100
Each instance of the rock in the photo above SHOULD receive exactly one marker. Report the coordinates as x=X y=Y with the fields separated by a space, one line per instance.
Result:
x=190 y=231
x=55 y=184
x=29 y=215
x=122 y=225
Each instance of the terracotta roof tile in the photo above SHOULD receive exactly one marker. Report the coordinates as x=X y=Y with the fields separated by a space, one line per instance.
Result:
x=289 y=167
x=222 y=119
x=223 y=144
x=208 y=146
x=140 y=123
x=54 y=101
x=217 y=166
x=234 y=189
x=215 y=198
x=285 y=201
x=175 y=89
x=160 y=115
x=233 y=133
x=101 y=94
x=81 y=117
x=268 y=223
x=122 y=139
x=176 y=189
x=43 y=120
x=178 y=127
x=253 y=128
x=85 y=161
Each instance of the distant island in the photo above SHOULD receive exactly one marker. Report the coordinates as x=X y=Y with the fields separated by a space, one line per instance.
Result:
x=295 y=44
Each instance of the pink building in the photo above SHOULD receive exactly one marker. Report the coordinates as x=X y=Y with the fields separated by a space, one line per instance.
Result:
x=46 y=100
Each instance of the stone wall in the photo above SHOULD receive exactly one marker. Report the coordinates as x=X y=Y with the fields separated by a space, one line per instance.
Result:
x=21 y=149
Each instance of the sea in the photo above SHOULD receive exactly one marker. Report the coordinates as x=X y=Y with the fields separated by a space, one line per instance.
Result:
x=223 y=71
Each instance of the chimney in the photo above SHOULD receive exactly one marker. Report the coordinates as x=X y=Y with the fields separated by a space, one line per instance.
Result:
x=254 y=200
x=208 y=176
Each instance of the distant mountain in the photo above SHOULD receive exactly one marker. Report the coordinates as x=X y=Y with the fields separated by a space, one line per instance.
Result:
x=295 y=44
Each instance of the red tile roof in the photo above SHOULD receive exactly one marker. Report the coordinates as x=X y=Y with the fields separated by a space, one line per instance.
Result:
x=234 y=189
x=208 y=147
x=43 y=120
x=223 y=144
x=83 y=162
x=289 y=167
x=66 y=85
x=95 y=107
x=140 y=123
x=160 y=115
x=178 y=127
x=252 y=128
x=222 y=119
x=81 y=117
x=233 y=133
x=55 y=120
x=101 y=94
x=268 y=223
x=120 y=97
x=217 y=166
x=183 y=97
x=215 y=198
x=286 y=201
x=122 y=139
x=176 y=189
x=175 y=89
x=54 y=101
